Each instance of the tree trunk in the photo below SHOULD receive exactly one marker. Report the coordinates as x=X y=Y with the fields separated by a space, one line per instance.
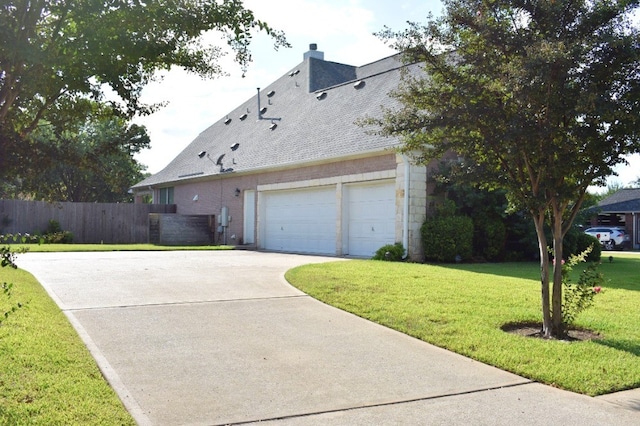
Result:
x=547 y=325
x=558 y=251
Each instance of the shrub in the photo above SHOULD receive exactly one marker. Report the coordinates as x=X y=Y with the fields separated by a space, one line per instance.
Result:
x=447 y=238
x=52 y=235
x=579 y=296
x=64 y=237
x=584 y=241
x=21 y=239
x=576 y=242
x=55 y=235
x=390 y=252
x=489 y=238
x=53 y=227
x=7 y=259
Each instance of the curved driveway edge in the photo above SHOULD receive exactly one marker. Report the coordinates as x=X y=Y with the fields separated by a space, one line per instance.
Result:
x=219 y=337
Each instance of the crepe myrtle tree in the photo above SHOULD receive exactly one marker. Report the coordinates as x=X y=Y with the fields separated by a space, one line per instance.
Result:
x=55 y=53
x=540 y=98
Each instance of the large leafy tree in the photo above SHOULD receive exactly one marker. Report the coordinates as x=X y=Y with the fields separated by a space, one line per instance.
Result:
x=53 y=53
x=86 y=160
x=540 y=98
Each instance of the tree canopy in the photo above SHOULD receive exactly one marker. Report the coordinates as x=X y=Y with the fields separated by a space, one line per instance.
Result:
x=539 y=97
x=87 y=160
x=53 y=54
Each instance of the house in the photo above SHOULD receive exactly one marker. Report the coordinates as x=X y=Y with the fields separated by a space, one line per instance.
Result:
x=290 y=170
x=621 y=208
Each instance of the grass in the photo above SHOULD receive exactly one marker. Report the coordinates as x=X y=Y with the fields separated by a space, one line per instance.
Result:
x=37 y=248
x=47 y=375
x=462 y=308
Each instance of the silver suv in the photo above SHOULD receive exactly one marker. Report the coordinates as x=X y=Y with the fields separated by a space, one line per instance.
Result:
x=610 y=237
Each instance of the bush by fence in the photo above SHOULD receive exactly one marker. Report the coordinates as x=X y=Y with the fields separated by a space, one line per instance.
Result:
x=90 y=223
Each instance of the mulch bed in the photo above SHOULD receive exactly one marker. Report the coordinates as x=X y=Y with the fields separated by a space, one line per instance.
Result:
x=534 y=329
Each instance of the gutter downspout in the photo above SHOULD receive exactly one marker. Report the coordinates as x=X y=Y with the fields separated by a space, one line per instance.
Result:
x=405 y=207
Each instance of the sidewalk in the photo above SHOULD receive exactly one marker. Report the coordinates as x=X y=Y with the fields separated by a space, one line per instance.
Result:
x=205 y=338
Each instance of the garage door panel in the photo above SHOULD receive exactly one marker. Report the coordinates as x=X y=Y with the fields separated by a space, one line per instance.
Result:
x=371 y=214
x=301 y=220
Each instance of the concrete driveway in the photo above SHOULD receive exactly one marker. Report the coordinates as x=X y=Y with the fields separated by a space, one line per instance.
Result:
x=205 y=338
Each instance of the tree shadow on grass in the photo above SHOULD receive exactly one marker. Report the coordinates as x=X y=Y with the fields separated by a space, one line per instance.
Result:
x=633 y=347
x=620 y=272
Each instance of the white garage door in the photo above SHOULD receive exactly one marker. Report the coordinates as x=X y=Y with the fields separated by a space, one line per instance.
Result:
x=371 y=211
x=300 y=220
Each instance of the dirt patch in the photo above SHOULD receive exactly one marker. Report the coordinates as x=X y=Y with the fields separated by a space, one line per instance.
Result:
x=534 y=329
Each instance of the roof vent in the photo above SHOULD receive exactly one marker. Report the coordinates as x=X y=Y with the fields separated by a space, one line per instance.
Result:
x=243 y=116
x=273 y=126
x=271 y=93
x=202 y=154
x=227 y=120
x=359 y=84
x=320 y=96
x=235 y=146
x=263 y=110
x=292 y=73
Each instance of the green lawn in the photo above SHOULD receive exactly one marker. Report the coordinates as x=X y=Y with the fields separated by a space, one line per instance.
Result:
x=47 y=375
x=462 y=307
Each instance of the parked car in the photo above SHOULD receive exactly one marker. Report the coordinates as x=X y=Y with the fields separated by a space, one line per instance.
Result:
x=611 y=237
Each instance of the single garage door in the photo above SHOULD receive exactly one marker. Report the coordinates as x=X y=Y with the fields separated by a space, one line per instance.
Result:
x=371 y=211
x=300 y=220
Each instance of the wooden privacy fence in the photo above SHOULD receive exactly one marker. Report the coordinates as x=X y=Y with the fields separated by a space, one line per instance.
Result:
x=89 y=222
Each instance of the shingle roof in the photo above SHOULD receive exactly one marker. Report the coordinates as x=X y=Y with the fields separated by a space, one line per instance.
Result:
x=323 y=74
x=308 y=129
x=622 y=201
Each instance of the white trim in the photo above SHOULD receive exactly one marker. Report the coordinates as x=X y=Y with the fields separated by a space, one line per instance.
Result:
x=249 y=220
x=405 y=206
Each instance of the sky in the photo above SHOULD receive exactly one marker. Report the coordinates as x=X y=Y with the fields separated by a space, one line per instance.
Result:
x=342 y=29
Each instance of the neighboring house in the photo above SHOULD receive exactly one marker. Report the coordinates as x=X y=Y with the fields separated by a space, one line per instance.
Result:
x=290 y=170
x=621 y=209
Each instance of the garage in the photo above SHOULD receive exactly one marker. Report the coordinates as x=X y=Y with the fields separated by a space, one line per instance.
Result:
x=302 y=220
x=370 y=212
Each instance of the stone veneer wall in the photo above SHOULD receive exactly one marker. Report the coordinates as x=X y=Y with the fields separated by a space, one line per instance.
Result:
x=417 y=205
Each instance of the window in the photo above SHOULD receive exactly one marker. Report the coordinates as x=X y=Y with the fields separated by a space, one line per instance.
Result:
x=166 y=196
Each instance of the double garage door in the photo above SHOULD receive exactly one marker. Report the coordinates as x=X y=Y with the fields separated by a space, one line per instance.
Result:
x=307 y=220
